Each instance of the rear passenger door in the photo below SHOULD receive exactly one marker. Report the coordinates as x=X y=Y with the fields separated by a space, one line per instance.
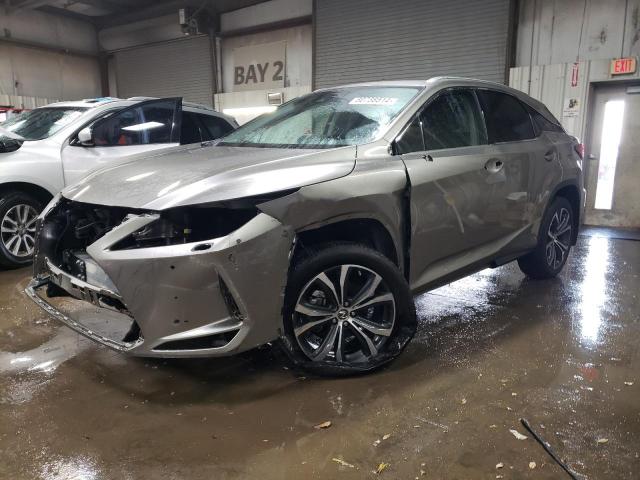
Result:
x=446 y=155
x=530 y=169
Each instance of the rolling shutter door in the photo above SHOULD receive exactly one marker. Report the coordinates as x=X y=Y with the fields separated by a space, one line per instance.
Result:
x=180 y=68
x=367 y=40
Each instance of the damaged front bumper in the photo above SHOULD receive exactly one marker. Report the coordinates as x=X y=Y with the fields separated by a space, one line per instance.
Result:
x=208 y=298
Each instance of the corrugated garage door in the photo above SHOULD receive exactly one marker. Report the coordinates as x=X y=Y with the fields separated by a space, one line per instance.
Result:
x=179 y=68
x=362 y=40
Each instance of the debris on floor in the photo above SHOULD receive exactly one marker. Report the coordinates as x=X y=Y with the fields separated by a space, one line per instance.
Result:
x=342 y=463
x=517 y=434
x=323 y=425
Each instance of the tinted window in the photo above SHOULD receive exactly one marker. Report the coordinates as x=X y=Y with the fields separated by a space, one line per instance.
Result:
x=139 y=125
x=506 y=118
x=453 y=120
x=190 y=130
x=541 y=123
x=214 y=127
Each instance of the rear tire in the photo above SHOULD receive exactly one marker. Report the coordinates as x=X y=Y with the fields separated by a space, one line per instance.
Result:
x=18 y=214
x=347 y=310
x=554 y=242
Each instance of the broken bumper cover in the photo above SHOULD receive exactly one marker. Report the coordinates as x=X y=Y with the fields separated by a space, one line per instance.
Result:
x=212 y=298
x=32 y=291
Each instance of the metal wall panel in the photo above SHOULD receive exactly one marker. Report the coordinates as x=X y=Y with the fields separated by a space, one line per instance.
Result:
x=180 y=68
x=363 y=40
x=551 y=32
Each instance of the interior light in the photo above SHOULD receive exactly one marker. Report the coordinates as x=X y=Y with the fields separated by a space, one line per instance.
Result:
x=249 y=110
x=244 y=114
x=143 y=126
x=610 y=142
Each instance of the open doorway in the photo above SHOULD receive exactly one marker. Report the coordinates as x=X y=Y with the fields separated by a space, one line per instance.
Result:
x=612 y=165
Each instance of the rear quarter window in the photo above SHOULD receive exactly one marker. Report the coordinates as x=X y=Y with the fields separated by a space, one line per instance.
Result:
x=214 y=127
x=506 y=118
x=542 y=123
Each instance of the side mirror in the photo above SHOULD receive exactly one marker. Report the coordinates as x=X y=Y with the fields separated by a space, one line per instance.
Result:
x=85 y=137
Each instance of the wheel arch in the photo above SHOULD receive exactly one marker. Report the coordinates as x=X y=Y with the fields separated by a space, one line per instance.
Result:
x=570 y=191
x=361 y=230
x=40 y=193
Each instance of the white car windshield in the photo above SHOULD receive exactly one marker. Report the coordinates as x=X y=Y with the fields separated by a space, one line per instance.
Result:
x=39 y=123
x=325 y=119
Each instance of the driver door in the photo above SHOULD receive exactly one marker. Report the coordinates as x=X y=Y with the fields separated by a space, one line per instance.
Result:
x=453 y=173
x=143 y=127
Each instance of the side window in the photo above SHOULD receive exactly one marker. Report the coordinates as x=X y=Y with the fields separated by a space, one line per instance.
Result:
x=214 y=127
x=190 y=130
x=139 y=125
x=453 y=120
x=541 y=122
x=411 y=139
x=506 y=118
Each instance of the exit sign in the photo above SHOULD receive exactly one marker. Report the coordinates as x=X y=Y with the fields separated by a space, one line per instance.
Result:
x=621 y=66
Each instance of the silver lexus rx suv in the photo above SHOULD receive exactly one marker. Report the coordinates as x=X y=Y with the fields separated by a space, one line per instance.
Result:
x=314 y=226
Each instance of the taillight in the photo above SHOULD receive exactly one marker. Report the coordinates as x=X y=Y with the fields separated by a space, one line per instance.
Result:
x=579 y=148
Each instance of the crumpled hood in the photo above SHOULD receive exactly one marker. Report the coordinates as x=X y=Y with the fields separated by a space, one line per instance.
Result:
x=192 y=175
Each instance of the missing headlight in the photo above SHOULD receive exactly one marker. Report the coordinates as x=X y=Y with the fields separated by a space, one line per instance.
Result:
x=197 y=223
x=185 y=225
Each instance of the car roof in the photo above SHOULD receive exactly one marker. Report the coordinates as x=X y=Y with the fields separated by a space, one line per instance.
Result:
x=434 y=83
x=430 y=82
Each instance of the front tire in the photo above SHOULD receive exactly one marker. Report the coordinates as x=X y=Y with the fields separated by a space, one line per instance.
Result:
x=18 y=214
x=348 y=310
x=554 y=242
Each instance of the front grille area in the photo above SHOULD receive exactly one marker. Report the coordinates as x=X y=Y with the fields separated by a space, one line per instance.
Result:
x=70 y=228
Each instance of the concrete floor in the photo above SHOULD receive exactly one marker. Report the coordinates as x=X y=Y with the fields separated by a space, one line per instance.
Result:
x=491 y=348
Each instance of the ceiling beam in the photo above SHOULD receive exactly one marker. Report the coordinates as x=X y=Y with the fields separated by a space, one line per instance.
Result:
x=114 y=7
x=157 y=10
x=61 y=12
x=30 y=4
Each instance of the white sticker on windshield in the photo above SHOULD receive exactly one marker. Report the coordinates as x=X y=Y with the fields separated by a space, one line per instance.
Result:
x=373 y=101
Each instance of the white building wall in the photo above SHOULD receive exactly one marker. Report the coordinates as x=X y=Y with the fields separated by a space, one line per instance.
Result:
x=552 y=85
x=32 y=76
x=553 y=35
x=245 y=105
x=297 y=71
x=560 y=31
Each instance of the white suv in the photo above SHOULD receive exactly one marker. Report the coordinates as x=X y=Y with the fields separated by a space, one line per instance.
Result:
x=43 y=150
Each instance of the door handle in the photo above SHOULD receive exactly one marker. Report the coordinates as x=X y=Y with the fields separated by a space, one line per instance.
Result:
x=550 y=155
x=494 y=165
x=427 y=157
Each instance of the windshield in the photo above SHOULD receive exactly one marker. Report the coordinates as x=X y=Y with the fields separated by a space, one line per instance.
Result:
x=325 y=119
x=40 y=123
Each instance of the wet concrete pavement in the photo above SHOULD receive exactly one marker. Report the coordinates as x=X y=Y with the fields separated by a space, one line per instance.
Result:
x=491 y=348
